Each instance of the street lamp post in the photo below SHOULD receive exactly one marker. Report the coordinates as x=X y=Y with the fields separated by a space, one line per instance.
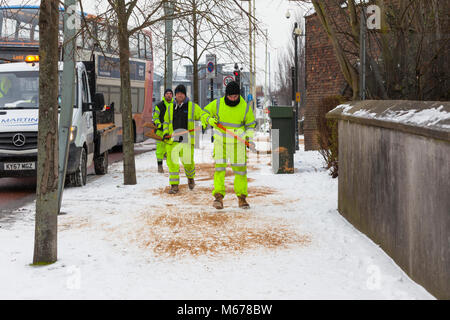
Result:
x=296 y=33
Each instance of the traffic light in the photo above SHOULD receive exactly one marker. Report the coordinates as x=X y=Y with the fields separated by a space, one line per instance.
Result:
x=258 y=103
x=237 y=76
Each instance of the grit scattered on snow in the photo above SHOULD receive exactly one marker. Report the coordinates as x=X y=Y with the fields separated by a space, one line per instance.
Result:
x=300 y=247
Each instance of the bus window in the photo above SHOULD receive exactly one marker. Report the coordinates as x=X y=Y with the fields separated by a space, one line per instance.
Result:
x=36 y=33
x=24 y=32
x=141 y=99
x=8 y=28
x=134 y=100
x=133 y=47
x=102 y=33
x=148 y=48
x=105 y=91
x=114 y=95
x=142 y=46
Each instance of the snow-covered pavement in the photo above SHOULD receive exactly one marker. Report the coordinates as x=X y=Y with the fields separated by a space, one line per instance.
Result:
x=138 y=242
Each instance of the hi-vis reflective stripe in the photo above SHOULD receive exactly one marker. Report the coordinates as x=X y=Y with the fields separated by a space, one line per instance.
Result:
x=221 y=168
x=217 y=108
x=221 y=161
x=248 y=125
x=233 y=125
x=238 y=165
x=226 y=135
x=241 y=173
x=174 y=180
x=189 y=172
x=246 y=111
x=222 y=134
x=174 y=173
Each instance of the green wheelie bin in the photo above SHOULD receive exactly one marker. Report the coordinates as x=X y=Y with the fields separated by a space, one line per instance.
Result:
x=283 y=139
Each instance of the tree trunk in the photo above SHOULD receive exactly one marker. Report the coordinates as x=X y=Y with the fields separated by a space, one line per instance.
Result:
x=45 y=244
x=129 y=167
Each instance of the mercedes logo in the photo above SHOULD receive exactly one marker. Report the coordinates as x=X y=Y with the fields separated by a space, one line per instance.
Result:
x=18 y=140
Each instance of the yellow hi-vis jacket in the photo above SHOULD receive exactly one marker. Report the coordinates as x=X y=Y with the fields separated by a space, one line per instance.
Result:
x=239 y=119
x=5 y=85
x=194 y=114
x=159 y=112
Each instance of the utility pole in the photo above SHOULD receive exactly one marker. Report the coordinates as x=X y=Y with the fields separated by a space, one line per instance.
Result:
x=270 y=79
x=168 y=11
x=68 y=95
x=362 y=55
x=265 y=69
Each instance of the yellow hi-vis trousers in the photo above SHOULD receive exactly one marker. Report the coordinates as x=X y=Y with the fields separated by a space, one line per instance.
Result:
x=176 y=152
x=160 y=147
x=237 y=155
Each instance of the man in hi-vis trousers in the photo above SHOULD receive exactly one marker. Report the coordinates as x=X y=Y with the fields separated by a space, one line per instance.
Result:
x=233 y=113
x=159 y=112
x=180 y=117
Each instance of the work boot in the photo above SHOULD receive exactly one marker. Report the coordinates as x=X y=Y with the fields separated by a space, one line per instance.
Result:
x=191 y=183
x=218 y=203
x=243 y=203
x=173 y=189
x=160 y=167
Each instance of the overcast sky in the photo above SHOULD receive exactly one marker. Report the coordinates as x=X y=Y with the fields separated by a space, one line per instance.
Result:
x=272 y=14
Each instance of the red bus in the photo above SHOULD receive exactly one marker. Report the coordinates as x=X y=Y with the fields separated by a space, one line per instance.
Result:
x=19 y=37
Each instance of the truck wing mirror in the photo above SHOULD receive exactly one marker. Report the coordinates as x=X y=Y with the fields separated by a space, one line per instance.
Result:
x=98 y=101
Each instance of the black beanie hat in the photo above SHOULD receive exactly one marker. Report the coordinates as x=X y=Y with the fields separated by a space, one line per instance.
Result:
x=180 y=88
x=232 y=88
x=168 y=90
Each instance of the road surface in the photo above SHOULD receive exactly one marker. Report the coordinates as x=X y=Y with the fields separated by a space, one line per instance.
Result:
x=17 y=192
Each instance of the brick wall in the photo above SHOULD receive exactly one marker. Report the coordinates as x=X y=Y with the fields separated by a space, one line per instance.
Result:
x=323 y=76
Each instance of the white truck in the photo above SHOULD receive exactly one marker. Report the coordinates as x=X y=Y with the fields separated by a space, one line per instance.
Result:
x=89 y=139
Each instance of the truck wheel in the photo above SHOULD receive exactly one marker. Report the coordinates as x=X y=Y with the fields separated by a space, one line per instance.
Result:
x=79 y=176
x=101 y=164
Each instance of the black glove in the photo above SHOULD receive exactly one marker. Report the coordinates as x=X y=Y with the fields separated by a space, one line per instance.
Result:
x=166 y=137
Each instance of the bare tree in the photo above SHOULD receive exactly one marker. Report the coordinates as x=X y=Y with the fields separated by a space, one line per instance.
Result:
x=283 y=75
x=129 y=17
x=210 y=26
x=406 y=57
x=45 y=245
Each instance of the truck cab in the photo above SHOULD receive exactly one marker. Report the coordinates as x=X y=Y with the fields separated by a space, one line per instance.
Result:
x=19 y=113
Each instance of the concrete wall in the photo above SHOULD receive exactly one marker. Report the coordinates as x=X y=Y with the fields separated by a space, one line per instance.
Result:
x=394 y=186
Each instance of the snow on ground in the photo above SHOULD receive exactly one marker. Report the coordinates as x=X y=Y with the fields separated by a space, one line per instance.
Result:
x=138 y=242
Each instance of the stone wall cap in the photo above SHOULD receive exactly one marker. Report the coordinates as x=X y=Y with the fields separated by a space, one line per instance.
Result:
x=422 y=116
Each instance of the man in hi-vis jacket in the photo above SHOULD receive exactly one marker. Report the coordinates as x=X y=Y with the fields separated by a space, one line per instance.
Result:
x=180 y=117
x=235 y=115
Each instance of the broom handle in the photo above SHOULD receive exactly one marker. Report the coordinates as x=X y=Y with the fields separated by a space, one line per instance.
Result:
x=233 y=134
x=183 y=132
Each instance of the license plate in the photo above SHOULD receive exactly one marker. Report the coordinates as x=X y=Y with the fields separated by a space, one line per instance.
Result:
x=20 y=166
